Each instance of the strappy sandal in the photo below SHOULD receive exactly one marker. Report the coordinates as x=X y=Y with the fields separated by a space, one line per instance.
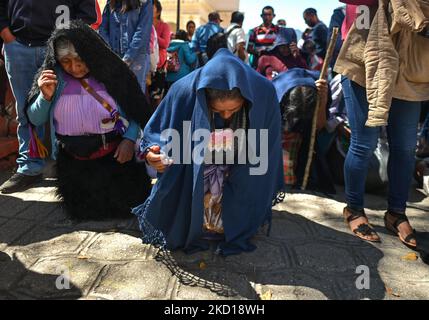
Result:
x=393 y=228
x=364 y=231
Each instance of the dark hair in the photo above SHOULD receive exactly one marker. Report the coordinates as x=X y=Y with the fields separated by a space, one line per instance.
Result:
x=182 y=35
x=267 y=8
x=216 y=94
x=158 y=6
x=127 y=5
x=309 y=46
x=190 y=22
x=216 y=42
x=306 y=33
x=237 y=17
x=310 y=11
x=298 y=107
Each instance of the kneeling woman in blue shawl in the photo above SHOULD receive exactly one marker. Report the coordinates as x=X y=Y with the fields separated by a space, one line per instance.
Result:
x=195 y=201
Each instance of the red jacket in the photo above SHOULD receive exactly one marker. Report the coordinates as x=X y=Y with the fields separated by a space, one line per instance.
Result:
x=97 y=23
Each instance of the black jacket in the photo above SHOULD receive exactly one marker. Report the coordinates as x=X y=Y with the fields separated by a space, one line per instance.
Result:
x=32 y=21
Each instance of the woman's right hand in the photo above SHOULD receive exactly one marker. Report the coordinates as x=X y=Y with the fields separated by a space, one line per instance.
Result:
x=155 y=159
x=47 y=83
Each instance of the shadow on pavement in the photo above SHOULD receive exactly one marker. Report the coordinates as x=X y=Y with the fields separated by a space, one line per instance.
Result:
x=300 y=259
x=14 y=274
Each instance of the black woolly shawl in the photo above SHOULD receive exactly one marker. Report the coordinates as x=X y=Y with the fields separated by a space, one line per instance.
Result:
x=104 y=65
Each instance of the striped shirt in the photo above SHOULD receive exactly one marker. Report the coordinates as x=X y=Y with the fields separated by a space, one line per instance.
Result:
x=263 y=38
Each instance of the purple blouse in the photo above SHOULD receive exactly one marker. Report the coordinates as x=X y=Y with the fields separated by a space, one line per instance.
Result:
x=77 y=112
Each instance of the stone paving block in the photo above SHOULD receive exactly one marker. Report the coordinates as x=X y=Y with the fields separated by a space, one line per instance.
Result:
x=44 y=241
x=43 y=189
x=134 y=281
x=260 y=259
x=20 y=202
x=414 y=270
x=13 y=229
x=293 y=293
x=103 y=226
x=47 y=278
x=193 y=260
x=58 y=218
x=3 y=221
x=296 y=283
x=3 y=200
x=117 y=247
x=11 y=270
x=12 y=206
x=38 y=211
x=406 y=290
x=214 y=283
x=287 y=226
x=350 y=288
x=185 y=292
x=324 y=257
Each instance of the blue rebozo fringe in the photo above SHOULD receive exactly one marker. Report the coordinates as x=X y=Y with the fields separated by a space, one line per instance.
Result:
x=278 y=198
x=151 y=235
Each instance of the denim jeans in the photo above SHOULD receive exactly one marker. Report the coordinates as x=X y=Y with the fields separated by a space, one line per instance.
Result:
x=22 y=63
x=424 y=133
x=402 y=138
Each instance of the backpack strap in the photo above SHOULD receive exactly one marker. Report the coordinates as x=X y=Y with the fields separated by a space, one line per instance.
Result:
x=227 y=34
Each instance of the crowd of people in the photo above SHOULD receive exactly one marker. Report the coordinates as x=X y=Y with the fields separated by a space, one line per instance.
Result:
x=109 y=85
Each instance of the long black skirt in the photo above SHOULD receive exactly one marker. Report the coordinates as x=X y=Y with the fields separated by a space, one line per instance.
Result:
x=102 y=188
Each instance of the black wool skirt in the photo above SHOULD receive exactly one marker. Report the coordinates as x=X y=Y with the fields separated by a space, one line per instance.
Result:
x=102 y=188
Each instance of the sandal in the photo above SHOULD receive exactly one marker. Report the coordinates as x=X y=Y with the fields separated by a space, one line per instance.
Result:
x=393 y=227
x=364 y=231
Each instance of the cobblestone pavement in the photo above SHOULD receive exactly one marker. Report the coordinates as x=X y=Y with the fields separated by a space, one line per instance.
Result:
x=310 y=254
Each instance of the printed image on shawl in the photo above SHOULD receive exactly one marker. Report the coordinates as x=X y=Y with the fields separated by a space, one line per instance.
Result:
x=173 y=215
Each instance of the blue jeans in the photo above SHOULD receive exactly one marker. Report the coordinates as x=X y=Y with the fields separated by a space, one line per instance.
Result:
x=402 y=138
x=22 y=63
x=424 y=133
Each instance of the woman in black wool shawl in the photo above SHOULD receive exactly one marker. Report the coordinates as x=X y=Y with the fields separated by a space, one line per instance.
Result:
x=95 y=108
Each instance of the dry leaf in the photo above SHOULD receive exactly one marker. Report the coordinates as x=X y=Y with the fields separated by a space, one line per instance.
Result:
x=203 y=265
x=82 y=257
x=267 y=295
x=410 y=257
x=391 y=293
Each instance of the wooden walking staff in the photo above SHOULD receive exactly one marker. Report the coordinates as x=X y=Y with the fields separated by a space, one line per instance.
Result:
x=323 y=75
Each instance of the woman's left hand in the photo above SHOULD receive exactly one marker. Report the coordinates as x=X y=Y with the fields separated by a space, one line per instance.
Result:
x=125 y=151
